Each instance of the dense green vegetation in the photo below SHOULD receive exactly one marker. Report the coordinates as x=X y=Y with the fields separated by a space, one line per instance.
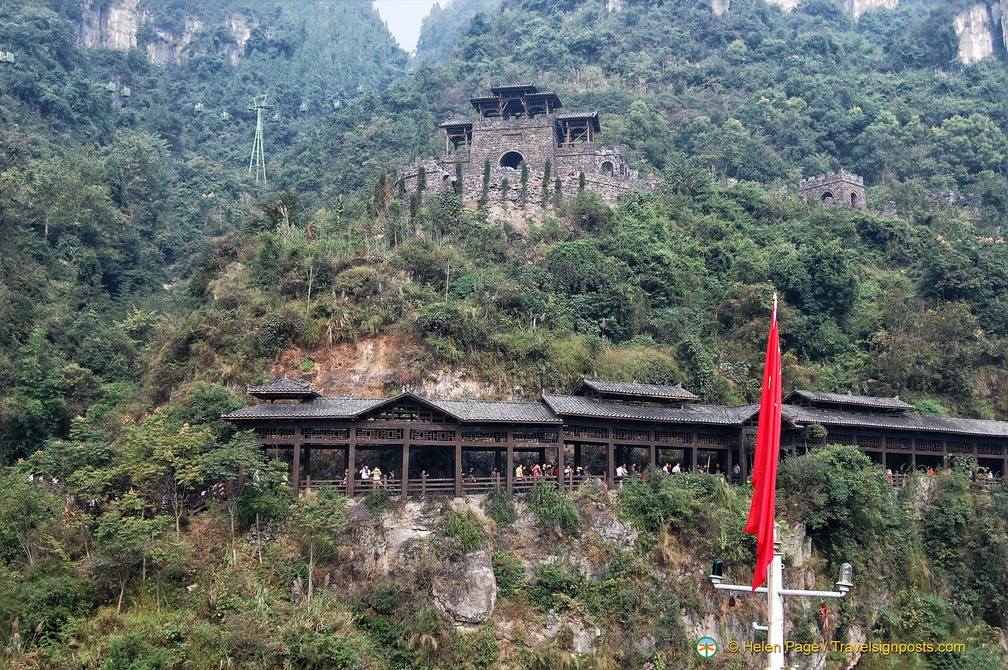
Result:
x=144 y=281
x=117 y=583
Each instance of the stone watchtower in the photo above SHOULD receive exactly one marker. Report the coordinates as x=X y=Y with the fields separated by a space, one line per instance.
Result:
x=516 y=124
x=836 y=189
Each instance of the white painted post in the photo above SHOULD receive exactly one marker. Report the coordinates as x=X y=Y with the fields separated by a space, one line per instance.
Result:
x=775 y=607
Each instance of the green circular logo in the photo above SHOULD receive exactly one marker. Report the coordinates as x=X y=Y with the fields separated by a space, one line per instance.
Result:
x=706 y=647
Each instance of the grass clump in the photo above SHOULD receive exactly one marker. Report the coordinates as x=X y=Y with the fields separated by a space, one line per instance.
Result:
x=499 y=507
x=509 y=573
x=467 y=528
x=553 y=507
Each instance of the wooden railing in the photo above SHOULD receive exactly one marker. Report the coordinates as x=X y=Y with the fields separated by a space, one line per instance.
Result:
x=425 y=485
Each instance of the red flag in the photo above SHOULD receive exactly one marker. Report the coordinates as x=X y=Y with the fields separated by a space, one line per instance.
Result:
x=764 y=477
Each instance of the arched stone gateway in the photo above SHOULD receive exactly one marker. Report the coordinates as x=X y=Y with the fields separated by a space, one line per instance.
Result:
x=517 y=123
x=511 y=159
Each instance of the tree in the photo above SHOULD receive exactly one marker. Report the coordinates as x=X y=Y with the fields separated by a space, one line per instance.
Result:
x=380 y=199
x=34 y=412
x=166 y=462
x=970 y=144
x=316 y=518
x=127 y=536
x=485 y=189
x=546 y=182
x=234 y=463
x=24 y=508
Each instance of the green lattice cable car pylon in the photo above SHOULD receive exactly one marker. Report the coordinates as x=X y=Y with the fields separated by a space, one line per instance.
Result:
x=258 y=159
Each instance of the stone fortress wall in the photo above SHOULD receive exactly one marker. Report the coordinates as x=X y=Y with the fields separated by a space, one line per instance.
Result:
x=836 y=189
x=506 y=141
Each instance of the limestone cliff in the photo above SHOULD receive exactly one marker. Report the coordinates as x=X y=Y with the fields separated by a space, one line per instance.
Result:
x=121 y=23
x=858 y=7
x=854 y=7
x=1003 y=13
x=975 y=28
x=786 y=5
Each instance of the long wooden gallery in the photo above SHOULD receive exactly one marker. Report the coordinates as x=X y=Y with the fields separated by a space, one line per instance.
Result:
x=456 y=446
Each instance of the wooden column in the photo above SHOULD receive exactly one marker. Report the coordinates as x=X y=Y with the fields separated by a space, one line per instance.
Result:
x=351 y=462
x=296 y=466
x=404 y=473
x=458 y=464
x=509 y=472
x=652 y=456
x=560 y=464
x=611 y=463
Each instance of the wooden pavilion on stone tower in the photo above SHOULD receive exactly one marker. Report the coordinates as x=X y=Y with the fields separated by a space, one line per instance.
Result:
x=519 y=125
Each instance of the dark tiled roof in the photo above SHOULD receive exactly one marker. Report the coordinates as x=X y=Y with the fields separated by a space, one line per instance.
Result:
x=578 y=115
x=319 y=408
x=801 y=416
x=635 y=389
x=451 y=123
x=530 y=88
x=848 y=399
x=490 y=411
x=568 y=405
x=283 y=386
x=347 y=408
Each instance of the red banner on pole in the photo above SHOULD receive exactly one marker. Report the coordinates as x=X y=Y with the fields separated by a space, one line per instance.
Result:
x=764 y=477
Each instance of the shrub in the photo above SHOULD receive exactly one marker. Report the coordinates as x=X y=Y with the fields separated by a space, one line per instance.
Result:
x=465 y=527
x=508 y=572
x=378 y=501
x=554 y=587
x=845 y=500
x=553 y=506
x=499 y=507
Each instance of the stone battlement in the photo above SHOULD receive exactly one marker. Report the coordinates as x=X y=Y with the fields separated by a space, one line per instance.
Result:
x=824 y=179
x=836 y=189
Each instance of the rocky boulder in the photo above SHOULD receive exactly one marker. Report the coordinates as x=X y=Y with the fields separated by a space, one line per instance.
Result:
x=467 y=589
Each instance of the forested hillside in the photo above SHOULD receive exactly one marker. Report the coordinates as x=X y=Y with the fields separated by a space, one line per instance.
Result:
x=145 y=280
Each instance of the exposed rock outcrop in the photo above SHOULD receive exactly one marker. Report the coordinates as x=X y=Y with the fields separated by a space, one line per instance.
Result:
x=467 y=592
x=858 y=7
x=720 y=6
x=975 y=29
x=118 y=25
x=113 y=27
x=786 y=5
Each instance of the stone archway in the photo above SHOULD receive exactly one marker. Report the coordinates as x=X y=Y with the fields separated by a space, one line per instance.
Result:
x=511 y=159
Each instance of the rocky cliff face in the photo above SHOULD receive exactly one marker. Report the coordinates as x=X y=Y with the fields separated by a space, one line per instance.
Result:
x=975 y=28
x=118 y=25
x=858 y=7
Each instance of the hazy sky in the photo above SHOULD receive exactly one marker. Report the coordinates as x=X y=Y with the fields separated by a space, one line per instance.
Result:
x=404 y=17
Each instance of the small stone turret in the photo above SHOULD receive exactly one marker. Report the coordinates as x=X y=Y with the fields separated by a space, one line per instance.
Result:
x=836 y=189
